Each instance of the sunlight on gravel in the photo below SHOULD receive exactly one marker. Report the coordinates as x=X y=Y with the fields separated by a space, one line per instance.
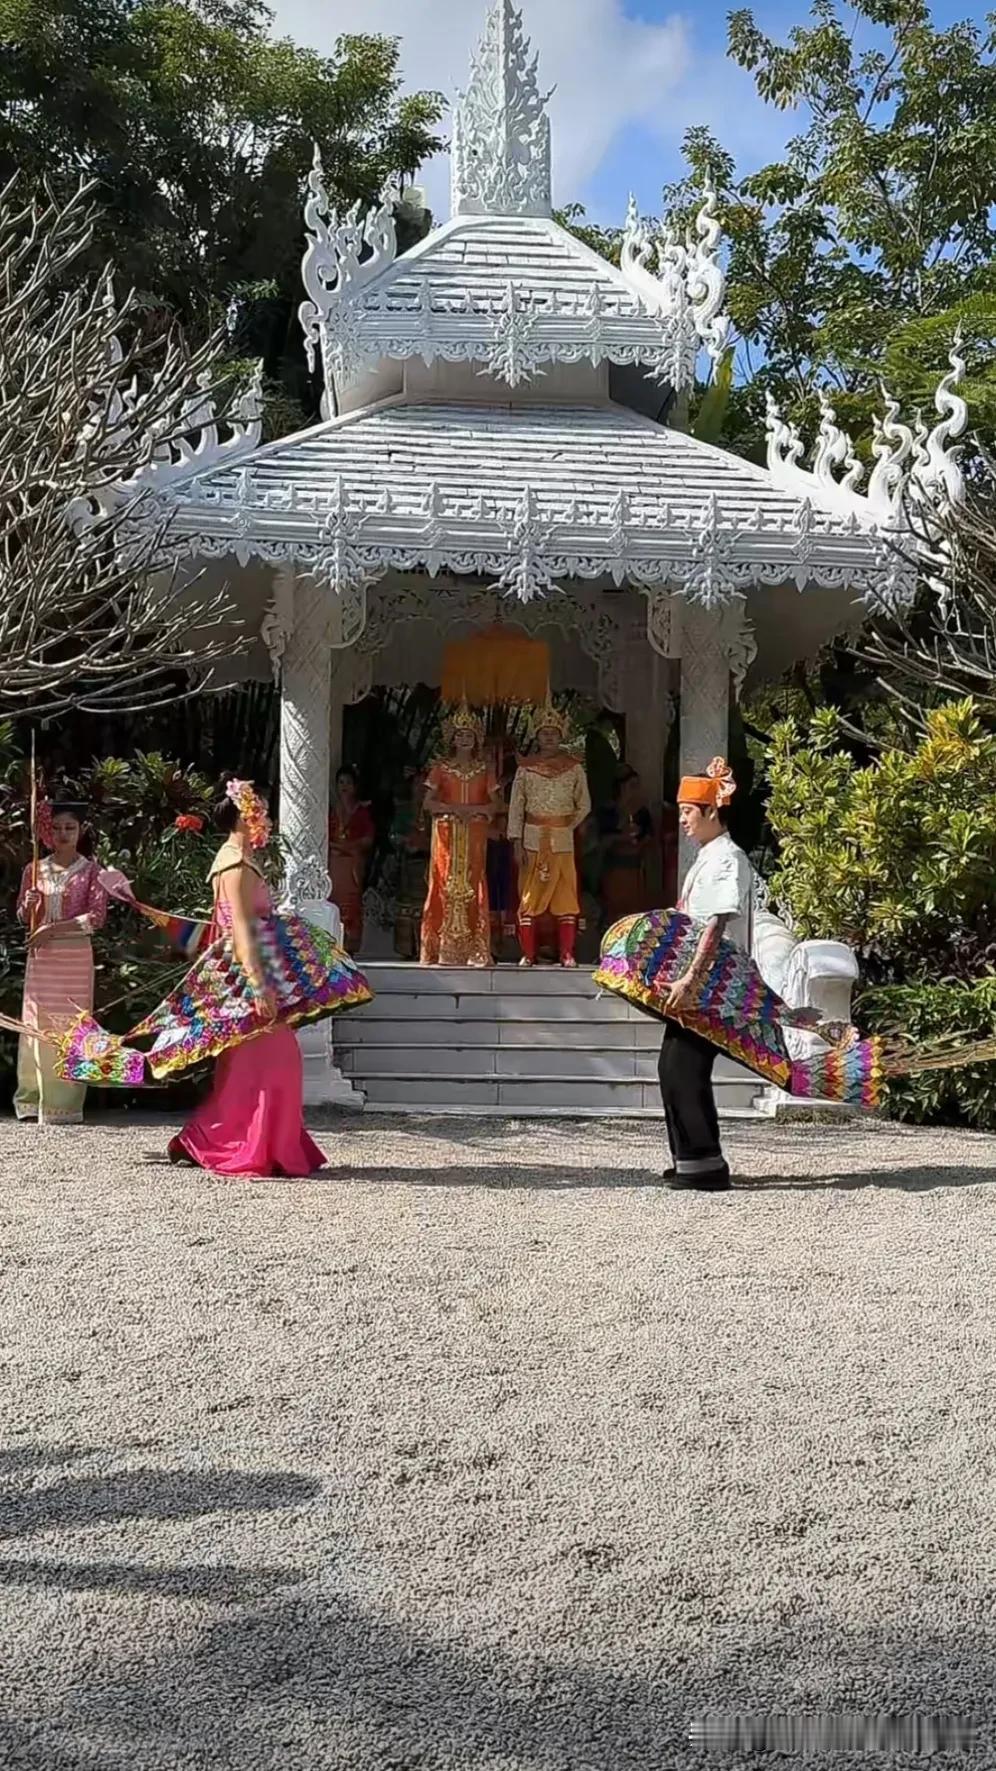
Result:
x=483 y=1450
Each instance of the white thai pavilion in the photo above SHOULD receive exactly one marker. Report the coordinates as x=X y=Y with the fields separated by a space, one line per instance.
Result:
x=502 y=438
x=495 y=440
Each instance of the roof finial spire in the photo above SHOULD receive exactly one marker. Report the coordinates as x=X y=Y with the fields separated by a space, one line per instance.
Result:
x=501 y=132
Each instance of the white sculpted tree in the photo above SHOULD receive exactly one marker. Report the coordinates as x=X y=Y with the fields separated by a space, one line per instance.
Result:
x=96 y=419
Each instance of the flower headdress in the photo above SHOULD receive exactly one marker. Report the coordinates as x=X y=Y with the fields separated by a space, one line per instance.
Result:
x=251 y=810
x=719 y=771
x=715 y=788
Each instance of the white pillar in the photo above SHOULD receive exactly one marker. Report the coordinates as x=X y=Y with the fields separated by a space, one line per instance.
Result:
x=705 y=697
x=305 y=685
x=306 y=677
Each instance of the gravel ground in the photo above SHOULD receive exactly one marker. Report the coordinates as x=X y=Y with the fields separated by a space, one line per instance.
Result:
x=484 y=1451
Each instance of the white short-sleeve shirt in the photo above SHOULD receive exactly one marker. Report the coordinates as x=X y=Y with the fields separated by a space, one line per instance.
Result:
x=718 y=883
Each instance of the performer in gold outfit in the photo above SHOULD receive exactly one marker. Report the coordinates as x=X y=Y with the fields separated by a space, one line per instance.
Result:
x=550 y=800
x=461 y=798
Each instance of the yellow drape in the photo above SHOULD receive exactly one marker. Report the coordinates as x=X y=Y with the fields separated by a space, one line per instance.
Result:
x=500 y=664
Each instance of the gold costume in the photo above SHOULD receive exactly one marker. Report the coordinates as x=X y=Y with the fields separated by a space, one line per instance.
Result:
x=550 y=799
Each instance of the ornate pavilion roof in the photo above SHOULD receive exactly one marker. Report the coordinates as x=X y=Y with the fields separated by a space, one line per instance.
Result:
x=523 y=494
x=527 y=496
x=502 y=283
x=512 y=293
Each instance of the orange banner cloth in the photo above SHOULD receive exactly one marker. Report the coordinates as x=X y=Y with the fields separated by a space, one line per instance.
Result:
x=498 y=665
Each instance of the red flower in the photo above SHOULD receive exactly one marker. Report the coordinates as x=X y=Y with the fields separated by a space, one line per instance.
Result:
x=189 y=821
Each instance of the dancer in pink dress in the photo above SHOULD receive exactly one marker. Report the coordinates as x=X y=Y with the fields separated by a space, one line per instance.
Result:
x=252 y=1122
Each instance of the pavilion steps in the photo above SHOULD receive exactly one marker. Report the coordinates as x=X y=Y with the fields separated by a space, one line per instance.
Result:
x=538 y=1043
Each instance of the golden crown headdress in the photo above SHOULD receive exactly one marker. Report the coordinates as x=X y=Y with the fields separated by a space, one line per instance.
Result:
x=549 y=716
x=463 y=719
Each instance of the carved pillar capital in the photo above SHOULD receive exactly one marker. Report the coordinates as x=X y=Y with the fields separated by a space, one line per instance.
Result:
x=738 y=641
x=705 y=695
x=304 y=745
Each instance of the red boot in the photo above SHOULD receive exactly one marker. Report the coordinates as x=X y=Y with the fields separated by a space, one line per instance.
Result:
x=527 y=941
x=567 y=932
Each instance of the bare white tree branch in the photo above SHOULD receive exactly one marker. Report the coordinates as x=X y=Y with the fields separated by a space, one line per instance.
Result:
x=92 y=613
x=943 y=643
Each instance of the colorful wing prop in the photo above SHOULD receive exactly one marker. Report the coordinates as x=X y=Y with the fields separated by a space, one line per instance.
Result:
x=642 y=956
x=214 y=1007
x=186 y=934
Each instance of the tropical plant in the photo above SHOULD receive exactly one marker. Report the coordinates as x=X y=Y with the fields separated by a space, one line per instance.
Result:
x=897 y=857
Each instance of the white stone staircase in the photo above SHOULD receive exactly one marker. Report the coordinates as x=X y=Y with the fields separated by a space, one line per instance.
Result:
x=540 y=1042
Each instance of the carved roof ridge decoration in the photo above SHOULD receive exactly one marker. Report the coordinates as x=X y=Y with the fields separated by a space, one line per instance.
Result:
x=910 y=465
x=500 y=156
x=527 y=497
x=516 y=291
x=451 y=296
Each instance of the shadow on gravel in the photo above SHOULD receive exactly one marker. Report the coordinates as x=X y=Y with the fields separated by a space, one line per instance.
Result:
x=546 y=1178
x=219 y=1585
x=319 y=1684
x=147 y=1494
x=901 y=1180
x=475 y=1129
x=15 y=1458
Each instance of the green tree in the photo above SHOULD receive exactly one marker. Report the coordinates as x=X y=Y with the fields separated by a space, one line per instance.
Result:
x=198 y=127
x=860 y=254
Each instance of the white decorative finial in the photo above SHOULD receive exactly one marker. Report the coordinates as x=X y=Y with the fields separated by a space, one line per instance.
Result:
x=707 y=279
x=500 y=162
x=341 y=258
x=942 y=472
x=785 y=445
x=636 y=244
x=892 y=447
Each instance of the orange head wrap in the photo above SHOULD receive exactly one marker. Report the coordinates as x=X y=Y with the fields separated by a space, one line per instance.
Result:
x=715 y=788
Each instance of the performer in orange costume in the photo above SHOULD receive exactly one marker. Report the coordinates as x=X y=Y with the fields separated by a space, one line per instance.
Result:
x=462 y=798
x=550 y=801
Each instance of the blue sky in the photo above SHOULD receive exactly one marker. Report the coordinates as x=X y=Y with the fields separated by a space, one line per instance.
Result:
x=642 y=158
x=631 y=77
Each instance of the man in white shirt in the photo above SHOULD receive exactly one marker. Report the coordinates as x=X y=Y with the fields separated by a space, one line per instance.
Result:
x=717 y=894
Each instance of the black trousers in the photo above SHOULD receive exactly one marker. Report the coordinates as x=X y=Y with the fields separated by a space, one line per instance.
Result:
x=685 y=1073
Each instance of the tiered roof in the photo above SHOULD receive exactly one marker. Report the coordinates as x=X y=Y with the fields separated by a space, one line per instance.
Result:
x=523 y=494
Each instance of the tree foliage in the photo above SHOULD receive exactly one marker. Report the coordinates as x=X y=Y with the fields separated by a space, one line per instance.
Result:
x=943 y=645
x=896 y=857
x=859 y=254
x=198 y=130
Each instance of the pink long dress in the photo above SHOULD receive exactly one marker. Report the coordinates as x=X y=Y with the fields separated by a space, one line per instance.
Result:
x=252 y=1122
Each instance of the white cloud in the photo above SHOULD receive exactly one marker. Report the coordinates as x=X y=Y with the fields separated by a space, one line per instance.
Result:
x=609 y=70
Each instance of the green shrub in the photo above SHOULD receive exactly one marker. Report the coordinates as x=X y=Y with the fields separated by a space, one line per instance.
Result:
x=898 y=858
x=135 y=806
x=918 y=1012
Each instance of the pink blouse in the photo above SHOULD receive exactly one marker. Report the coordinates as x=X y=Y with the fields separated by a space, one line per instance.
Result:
x=71 y=894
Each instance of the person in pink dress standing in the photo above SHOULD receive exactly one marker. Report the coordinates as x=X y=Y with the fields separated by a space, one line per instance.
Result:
x=62 y=904
x=252 y=1122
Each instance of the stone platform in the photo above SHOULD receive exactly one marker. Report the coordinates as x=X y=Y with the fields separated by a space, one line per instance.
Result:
x=522 y=1042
